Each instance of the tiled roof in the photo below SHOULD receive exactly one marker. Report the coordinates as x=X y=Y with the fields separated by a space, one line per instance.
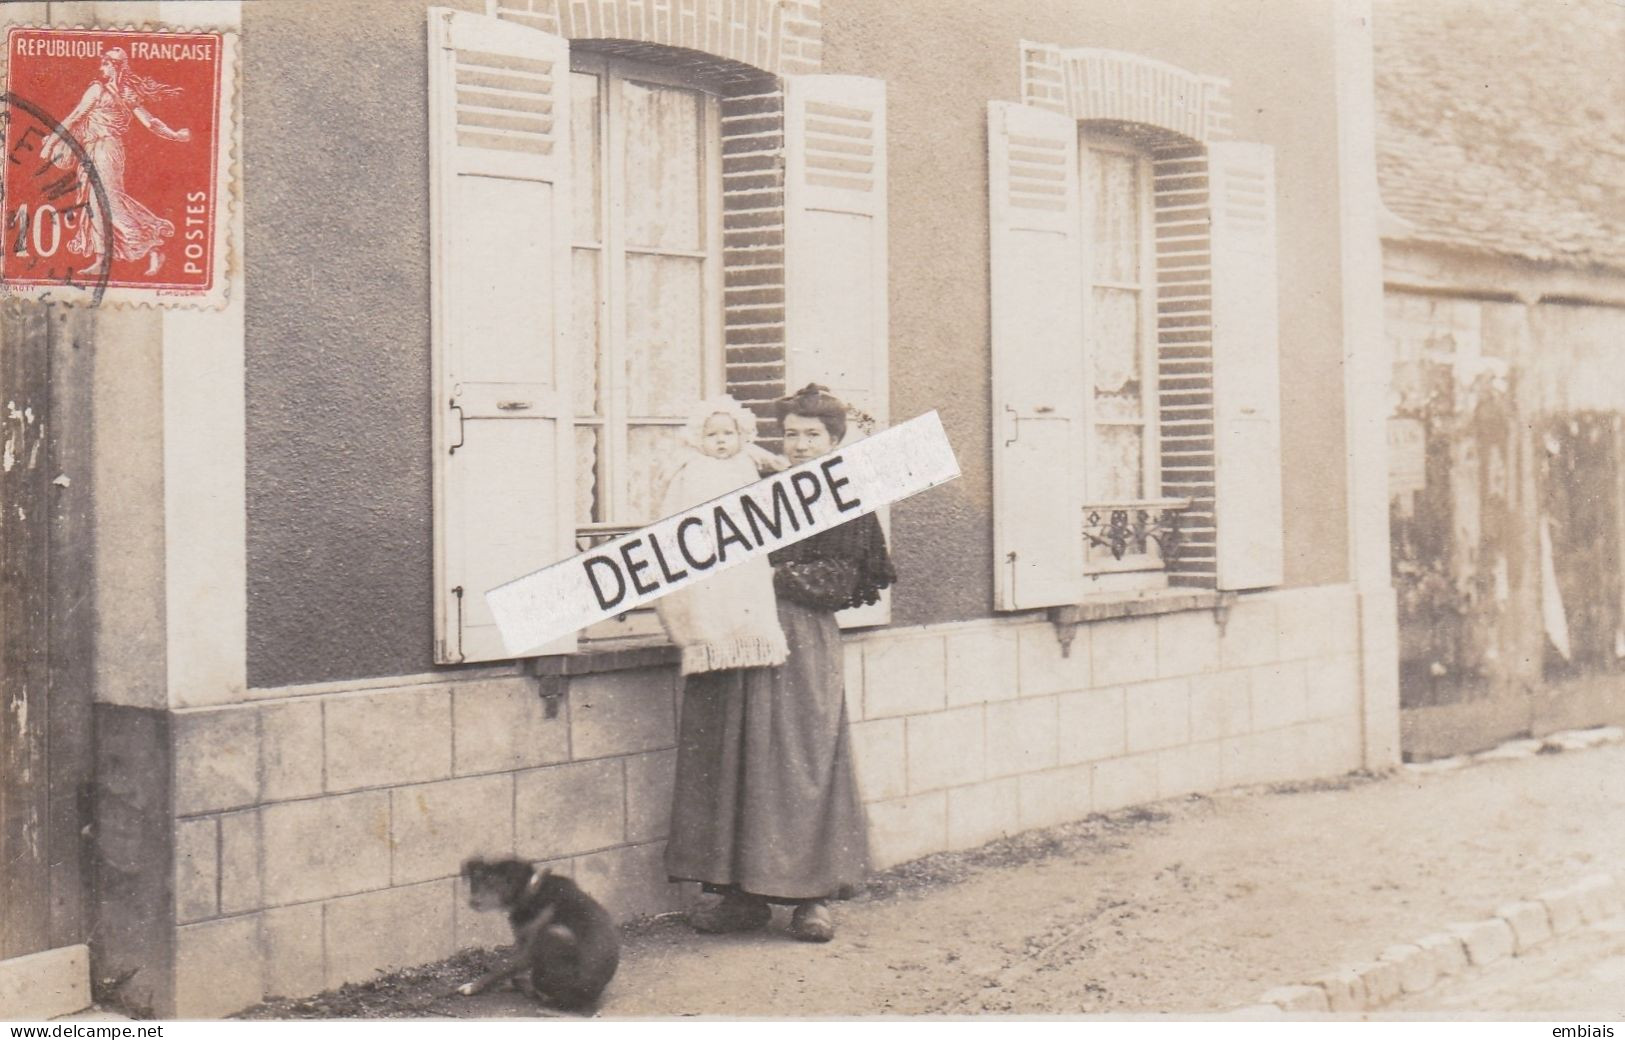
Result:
x=1501 y=125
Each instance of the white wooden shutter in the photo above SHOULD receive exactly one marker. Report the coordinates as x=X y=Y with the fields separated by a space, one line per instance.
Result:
x=836 y=329
x=1246 y=367
x=1038 y=372
x=499 y=138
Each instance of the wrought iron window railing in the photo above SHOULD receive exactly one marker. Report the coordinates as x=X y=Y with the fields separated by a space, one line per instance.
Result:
x=1133 y=535
x=638 y=625
x=589 y=535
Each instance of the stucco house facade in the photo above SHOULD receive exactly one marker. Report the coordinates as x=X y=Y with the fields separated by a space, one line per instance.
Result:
x=482 y=258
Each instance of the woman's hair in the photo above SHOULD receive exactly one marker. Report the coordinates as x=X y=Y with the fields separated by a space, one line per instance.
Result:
x=816 y=402
x=744 y=419
x=131 y=82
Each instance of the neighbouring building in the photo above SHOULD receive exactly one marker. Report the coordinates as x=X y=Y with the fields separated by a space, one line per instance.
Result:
x=1502 y=163
x=481 y=259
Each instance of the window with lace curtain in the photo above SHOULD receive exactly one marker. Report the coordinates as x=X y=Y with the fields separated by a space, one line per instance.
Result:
x=645 y=275
x=1118 y=211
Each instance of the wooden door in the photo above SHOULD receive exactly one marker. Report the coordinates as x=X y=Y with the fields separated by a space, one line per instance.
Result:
x=45 y=610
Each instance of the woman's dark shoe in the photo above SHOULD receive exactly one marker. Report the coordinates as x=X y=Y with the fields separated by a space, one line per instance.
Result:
x=812 y=922
x=734 y=912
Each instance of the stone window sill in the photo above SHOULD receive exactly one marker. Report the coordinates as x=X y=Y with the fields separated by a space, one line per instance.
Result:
x=607 y=656
x=1112 y=606
x=553 y=674
x=657 y=652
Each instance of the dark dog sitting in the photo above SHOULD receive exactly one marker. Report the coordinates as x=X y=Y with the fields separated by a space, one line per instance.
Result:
x=560 y=933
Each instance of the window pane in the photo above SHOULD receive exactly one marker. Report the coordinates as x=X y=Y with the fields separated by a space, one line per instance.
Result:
x=665 y=306
x=589 y=507
x=584 y=330
x=1118 y=464
x=649 y=450
x=587 y=152
x=662 y=154
x=1114 y=341
x=1113 y=191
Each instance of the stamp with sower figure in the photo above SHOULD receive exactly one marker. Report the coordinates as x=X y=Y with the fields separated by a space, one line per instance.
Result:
x=113 y=180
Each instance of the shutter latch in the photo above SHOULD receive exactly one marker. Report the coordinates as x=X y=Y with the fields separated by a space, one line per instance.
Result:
x=457 y=591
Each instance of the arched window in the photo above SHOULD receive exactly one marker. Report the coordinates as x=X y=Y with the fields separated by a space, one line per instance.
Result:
x=1134 y=305
x=621 y=226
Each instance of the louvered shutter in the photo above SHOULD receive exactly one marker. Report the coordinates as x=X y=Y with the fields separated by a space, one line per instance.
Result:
x=500 y=286
x=835 y=252
x=1246 y=367
x=1038 y=371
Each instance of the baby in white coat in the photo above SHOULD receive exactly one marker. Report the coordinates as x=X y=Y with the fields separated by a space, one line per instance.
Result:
x=729 y=620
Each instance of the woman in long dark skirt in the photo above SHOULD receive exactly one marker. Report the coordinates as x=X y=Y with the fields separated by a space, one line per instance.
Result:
x=765 y=807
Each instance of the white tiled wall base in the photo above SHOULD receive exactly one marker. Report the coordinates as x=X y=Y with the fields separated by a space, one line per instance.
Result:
x=1140 y=709
x=318 y=837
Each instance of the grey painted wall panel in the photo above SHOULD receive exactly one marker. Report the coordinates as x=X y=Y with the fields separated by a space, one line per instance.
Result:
x=336 y=174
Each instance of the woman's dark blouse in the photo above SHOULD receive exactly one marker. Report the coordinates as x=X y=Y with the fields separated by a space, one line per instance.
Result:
x=846 y=566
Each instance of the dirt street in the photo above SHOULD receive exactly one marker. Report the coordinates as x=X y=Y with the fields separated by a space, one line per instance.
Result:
x=1187 y=906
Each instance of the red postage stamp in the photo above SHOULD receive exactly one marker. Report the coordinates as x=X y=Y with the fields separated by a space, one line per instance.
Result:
x=113 y=182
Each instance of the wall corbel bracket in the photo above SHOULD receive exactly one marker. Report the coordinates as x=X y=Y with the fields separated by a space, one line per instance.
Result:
x=552 y=689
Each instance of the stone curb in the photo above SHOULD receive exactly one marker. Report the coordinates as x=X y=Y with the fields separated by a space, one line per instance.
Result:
x=1516 y=928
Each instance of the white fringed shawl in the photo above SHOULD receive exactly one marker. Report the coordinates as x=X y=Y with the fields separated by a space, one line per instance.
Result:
x=731 y=619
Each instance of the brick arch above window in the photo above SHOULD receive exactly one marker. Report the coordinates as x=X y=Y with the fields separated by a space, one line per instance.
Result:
x=1129 y=90
x=780 y=37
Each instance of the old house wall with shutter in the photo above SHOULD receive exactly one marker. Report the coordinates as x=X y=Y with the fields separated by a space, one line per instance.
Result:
x=334 y=733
